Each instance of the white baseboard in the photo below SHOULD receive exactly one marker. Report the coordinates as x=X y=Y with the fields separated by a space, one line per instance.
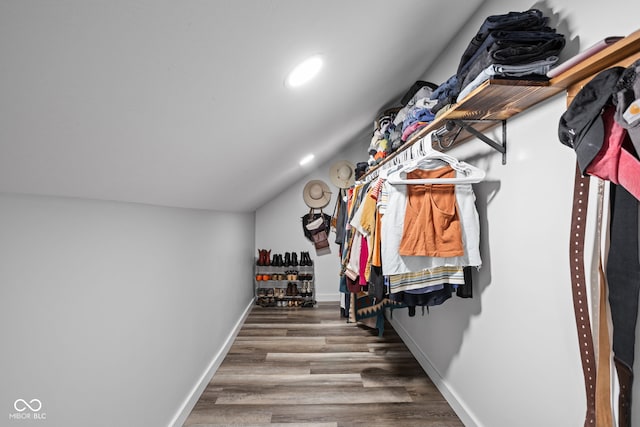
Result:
x=450 y=395
x=191 y=400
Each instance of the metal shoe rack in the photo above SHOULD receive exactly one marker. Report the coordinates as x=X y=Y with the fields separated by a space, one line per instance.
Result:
x=283 y=285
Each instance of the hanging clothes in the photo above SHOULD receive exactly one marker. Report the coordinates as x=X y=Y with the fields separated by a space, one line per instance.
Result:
x=431 y=224
x=412 y=244
x=393 y=228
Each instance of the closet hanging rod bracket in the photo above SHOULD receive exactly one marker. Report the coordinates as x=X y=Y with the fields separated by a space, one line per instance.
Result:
x=498 y=146
x=452 y=128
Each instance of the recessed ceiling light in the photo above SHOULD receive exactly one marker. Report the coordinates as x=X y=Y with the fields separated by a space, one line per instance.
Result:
x=306 y=159
x=304 y=72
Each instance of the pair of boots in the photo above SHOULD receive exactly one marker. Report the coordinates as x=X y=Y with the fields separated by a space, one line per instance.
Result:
x=294 y=259
x=305 y=259
x=277 y=260
x=292 y=289
x=290 y=260
x=263 y=257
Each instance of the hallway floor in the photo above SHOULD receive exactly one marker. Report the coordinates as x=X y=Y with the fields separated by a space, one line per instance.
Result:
x=308 y=367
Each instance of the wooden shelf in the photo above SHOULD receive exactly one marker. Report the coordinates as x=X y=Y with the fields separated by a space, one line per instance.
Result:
x=501 y=99
x=492 y=101
x=623 y=53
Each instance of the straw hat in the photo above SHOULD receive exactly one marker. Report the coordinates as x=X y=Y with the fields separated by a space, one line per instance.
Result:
x=316 y=194
x=342 y=174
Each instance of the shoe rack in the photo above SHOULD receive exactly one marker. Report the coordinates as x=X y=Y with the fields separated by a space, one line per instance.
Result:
x=284 y=281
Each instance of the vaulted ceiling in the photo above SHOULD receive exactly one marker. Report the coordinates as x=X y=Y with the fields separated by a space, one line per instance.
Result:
x=182 y=103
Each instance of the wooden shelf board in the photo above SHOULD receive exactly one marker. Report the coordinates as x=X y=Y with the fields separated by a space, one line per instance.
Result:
x=623 y=52
x=501 y=99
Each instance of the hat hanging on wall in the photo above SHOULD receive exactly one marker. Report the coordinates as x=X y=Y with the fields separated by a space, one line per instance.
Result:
x=316 y=194
x=342 y=174
x=581 y=127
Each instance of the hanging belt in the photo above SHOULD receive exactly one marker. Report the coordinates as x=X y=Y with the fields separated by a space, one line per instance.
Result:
x=625 y=268
x=604 y=412
x=579 y=292
x=623 y=276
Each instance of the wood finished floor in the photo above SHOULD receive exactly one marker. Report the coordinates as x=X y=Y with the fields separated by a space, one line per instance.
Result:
x=307 y=367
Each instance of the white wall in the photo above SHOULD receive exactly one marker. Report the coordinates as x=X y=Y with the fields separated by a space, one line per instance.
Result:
x=507 y=357
x=112 y=313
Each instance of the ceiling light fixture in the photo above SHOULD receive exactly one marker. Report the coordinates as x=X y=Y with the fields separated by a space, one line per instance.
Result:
x=306 y=159
x=304 y=72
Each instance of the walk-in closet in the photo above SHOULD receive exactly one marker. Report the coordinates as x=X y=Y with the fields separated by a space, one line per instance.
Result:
x=340 y=213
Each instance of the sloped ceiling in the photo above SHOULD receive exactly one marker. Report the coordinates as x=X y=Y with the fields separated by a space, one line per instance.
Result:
x=182 y=103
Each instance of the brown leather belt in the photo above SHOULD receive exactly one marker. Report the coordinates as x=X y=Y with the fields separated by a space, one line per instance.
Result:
x=579 y=291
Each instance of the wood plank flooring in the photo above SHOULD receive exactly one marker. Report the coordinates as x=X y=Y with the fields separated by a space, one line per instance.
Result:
x=308 y=367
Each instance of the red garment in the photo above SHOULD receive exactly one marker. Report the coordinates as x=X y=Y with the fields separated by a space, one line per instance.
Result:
x=615 y=161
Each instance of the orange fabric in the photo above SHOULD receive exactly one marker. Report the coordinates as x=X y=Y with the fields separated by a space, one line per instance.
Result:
x=604 y=411
x=376 y=255
x=431 y=223
x=368 y=217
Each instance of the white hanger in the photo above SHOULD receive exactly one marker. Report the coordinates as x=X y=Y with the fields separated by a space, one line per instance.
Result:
x=466 y=173
x=389 y=168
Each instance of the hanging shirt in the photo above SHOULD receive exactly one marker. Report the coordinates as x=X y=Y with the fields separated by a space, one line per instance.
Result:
x=365 y=222
x=434 y=278
x=431 y=223
x=352 y=196
x=393 y=224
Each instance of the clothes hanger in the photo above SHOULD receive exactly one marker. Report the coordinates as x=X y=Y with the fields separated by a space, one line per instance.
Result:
x=466 y=173
x=388 y=168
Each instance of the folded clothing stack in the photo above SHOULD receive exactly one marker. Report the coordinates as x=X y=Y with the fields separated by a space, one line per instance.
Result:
x=396 y=125
x=514 y=45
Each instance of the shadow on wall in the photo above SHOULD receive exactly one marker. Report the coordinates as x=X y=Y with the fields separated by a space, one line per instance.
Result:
x=572 y=46
x=457 y=313
x=485 y=192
